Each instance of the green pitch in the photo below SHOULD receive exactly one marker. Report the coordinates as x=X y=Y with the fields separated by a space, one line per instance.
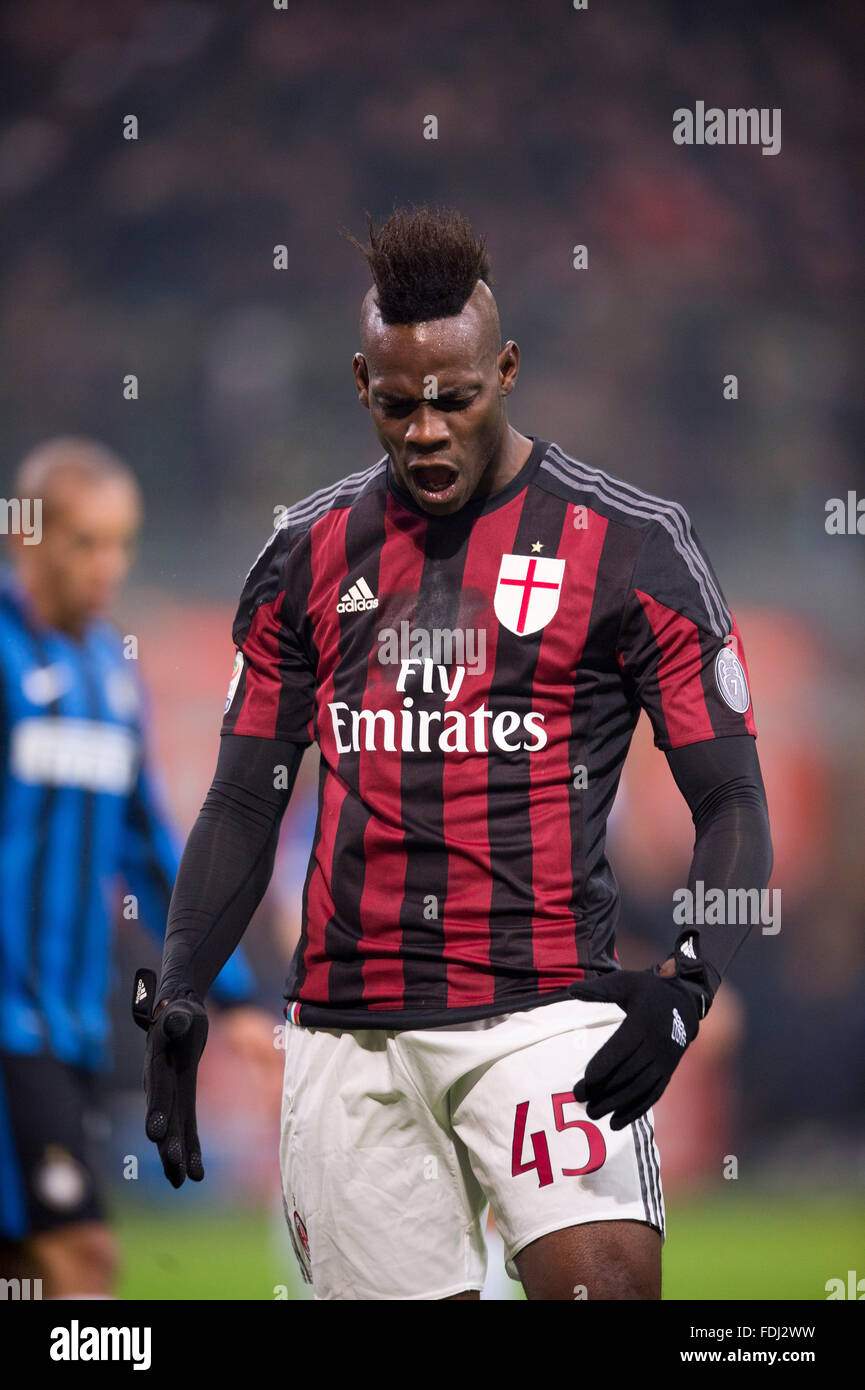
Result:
x=763 y=1247
x=726 y=1247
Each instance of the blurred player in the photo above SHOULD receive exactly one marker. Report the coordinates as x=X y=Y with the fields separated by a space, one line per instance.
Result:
x=78 y=809
x=468 y=629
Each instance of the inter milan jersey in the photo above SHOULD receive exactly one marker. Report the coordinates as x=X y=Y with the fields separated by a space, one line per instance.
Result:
x=80 y=811
x=473 y=682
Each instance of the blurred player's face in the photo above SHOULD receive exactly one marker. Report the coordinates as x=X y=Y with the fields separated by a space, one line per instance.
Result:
x=88 y=536
x=436 y=392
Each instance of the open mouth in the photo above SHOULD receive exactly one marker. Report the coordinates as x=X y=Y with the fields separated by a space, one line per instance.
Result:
x=434 y=481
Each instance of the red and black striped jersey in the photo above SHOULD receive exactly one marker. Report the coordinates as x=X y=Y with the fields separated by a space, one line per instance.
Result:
x=473 y=682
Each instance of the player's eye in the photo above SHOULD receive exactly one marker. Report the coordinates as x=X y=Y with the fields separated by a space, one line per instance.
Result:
x=396 y=409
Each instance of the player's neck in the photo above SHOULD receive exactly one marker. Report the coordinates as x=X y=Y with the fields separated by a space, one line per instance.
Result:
x=44 y=605
x=506 y=464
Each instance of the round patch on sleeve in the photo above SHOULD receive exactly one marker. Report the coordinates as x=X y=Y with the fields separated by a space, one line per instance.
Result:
x=731 y=681
x=235 y=678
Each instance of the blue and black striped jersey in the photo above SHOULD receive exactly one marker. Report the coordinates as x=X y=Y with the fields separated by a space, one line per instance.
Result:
x=80 y=812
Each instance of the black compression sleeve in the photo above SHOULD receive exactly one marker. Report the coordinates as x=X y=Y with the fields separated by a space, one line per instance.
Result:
x=228 y=860
x=721 y=781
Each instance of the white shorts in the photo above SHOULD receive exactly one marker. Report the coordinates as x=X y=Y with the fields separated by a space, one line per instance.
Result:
x=394 y=1144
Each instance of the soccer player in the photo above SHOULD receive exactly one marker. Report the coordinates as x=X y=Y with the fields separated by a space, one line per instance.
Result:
x=468 y=629
x=78 y=810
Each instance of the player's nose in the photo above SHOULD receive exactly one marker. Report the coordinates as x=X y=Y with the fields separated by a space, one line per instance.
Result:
x=426 y=430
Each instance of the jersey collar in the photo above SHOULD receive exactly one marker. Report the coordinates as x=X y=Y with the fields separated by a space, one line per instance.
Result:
x=481 y=505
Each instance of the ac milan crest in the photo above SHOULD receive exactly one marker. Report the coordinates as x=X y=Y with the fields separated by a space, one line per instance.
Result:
x=527 y=592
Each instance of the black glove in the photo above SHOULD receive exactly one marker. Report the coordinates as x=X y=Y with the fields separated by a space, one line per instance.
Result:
x=175 y=1042
x=630 y=1072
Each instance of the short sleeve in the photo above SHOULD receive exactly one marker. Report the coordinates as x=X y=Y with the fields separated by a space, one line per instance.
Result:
x=679 y=644
x=272 y=688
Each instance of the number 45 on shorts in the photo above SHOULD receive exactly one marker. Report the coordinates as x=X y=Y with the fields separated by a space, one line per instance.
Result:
x=593 y=1140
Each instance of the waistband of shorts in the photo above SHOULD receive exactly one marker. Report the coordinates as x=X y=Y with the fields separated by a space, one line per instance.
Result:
x=306 y=1015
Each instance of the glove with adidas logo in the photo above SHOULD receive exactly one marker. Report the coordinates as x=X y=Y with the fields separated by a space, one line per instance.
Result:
x=175 y=1042
x=631 y=1071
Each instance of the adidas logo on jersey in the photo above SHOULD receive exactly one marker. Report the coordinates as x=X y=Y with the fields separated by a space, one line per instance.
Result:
x=140 y=992
x=359 y=597
x=678 y=1034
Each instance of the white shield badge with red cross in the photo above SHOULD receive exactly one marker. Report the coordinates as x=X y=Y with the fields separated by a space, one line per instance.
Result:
x=527 y=592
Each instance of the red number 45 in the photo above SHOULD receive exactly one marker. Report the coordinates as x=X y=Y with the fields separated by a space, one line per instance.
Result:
x=541 y=1149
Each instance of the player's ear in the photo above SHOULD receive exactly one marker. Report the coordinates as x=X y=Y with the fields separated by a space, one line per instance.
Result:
x=361 y=378
x=508 y=367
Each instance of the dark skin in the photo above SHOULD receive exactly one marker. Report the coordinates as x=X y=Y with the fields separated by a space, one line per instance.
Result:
x=463 y=436
x=618 y=1260
x=464 y=429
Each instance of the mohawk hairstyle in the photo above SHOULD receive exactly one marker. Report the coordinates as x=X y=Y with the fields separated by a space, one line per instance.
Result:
x=425 y=263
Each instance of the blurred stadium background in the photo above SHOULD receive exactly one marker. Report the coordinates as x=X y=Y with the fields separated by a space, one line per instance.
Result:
x=260 y=127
